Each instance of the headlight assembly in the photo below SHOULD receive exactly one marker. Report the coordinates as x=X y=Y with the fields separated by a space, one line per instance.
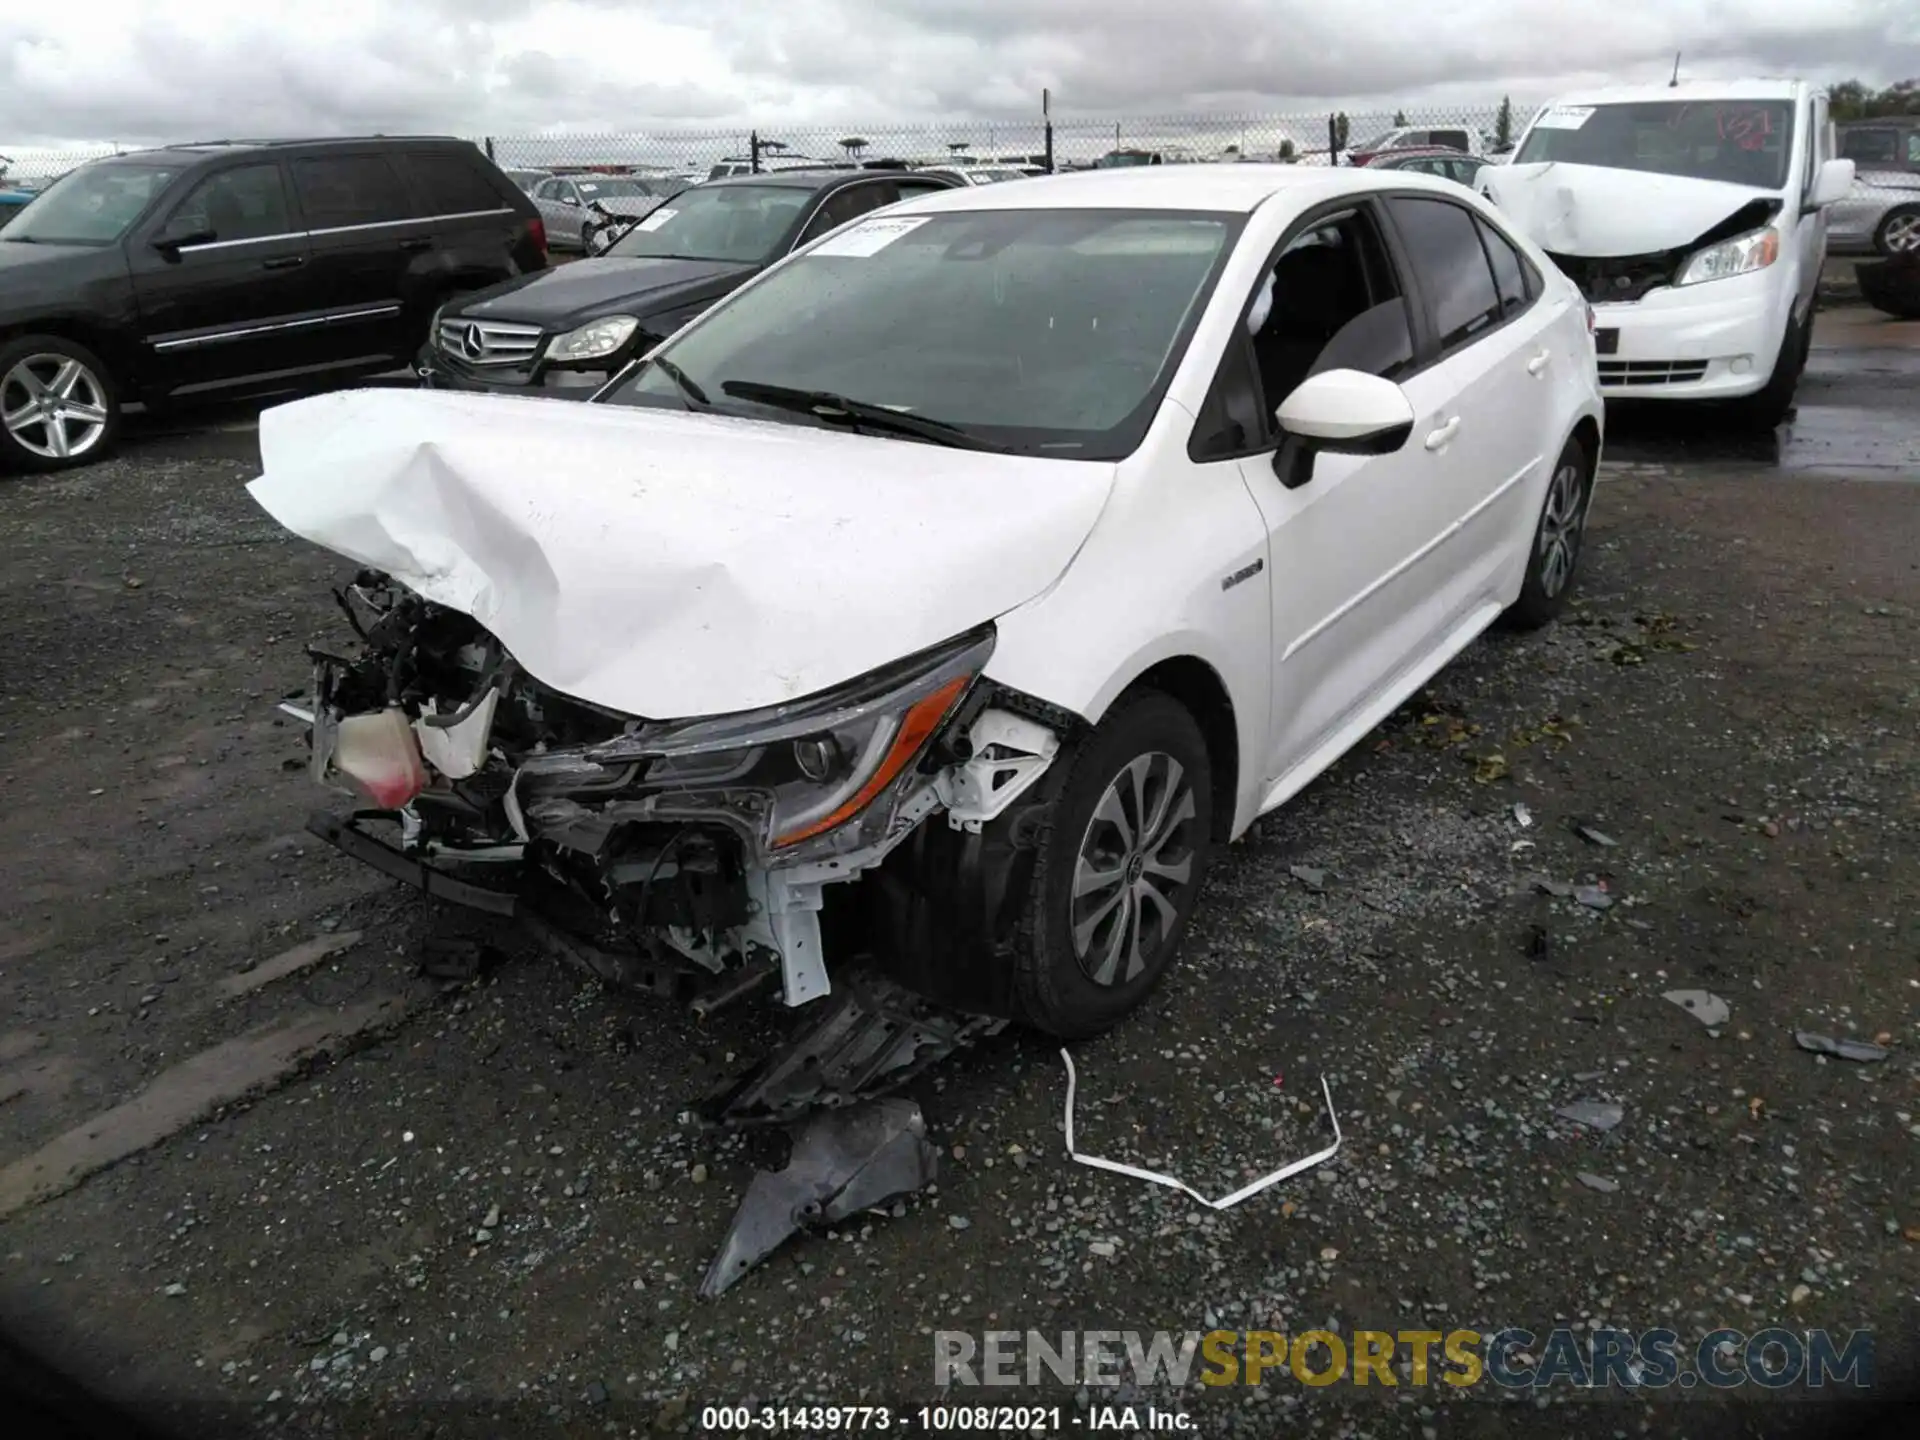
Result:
x=1741 y=255
x=593 y=341
x=830 y=769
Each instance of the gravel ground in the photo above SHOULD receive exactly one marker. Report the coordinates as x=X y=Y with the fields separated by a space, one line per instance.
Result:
x=494 y=1212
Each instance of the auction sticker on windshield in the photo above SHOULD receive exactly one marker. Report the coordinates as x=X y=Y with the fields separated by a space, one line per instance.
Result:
x=656 y=219
x=1564 y=117
x=870 y=237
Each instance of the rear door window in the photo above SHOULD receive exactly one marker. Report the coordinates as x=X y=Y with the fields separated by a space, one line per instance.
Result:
x=337 y=191
x=1509 y=270
x=248 y=202
x=448 y=185
x=1443 y=244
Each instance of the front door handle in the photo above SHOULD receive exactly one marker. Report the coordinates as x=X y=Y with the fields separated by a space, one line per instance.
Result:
x=283 y=262
x=1437 y=439
x=419 y=242
x=1539 y=362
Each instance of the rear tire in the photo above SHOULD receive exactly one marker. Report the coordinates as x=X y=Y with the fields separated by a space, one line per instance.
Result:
x=1559 y=535
x=59 y=406
x=1119 y=870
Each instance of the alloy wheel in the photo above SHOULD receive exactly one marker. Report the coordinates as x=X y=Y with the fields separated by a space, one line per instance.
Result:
x=1903 y=234
x=1134 y=869
x=1560 y=525
x=53 y=406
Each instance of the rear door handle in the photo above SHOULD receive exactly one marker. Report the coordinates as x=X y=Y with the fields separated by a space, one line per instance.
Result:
x=419 y=242
x=1437 y=439
x=1539 y=362
x=283 y=262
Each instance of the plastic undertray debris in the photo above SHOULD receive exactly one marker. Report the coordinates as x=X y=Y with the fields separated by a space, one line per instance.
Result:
x=843 y=1162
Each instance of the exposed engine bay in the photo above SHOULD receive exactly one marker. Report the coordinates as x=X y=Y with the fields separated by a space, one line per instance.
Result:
x=707 y=859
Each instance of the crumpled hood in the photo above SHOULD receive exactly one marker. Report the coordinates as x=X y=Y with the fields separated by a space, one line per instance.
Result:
x=667 y=564
x=1598 y=211
x=625 y=205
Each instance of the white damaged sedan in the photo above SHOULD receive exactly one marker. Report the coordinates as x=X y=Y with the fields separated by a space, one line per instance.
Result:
x=938 y=603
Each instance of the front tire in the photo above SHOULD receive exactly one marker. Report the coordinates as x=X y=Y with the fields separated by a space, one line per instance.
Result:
x=1553 y=559
x=1773 y=402
x=1119 y=870
x=58 y=405
x=1898 y=232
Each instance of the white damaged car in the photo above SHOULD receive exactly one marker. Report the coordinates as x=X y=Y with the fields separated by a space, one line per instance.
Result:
x=1694 y=218
x=940 y=602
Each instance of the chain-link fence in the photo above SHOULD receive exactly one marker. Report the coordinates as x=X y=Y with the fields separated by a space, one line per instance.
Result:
x=1066 y=142
x=1060 y=143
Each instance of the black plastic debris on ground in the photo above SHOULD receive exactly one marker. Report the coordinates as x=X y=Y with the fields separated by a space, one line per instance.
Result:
x=456 y=958
x=843 y=1162
x=1600 y=1115
x=1858 y=1051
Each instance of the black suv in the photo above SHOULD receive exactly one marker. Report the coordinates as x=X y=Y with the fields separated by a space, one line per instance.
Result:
x=563 y=332
x=237 y=267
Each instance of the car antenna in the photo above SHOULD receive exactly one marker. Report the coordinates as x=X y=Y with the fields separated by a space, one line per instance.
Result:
x=1674 y=83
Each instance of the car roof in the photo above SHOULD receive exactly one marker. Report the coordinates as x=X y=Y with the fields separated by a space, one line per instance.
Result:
x=210 y=148
x=1243 y=188
x=1758 y=88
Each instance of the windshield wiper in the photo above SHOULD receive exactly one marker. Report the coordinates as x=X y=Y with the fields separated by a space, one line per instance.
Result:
x=689 y=386
x=858 y=414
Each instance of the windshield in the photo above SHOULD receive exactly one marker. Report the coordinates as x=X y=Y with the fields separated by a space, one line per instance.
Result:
x=622 y=188
x=1041 y=331
x=94 y=205
x=1742 y=142
x=739 y=223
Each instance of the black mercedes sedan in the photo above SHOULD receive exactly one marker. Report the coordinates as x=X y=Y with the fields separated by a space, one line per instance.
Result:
x=564 y=331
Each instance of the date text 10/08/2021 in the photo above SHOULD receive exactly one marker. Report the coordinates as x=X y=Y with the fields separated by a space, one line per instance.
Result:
x=940 y=1419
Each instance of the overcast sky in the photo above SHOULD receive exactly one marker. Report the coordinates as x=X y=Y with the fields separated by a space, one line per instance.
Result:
x=136 y=71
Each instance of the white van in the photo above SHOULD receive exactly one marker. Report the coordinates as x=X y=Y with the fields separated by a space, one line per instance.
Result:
x=1692 y=217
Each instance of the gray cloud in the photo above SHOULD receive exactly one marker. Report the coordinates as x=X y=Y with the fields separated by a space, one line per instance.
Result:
x=139 y=70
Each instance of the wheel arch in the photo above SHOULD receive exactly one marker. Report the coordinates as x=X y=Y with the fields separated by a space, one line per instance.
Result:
x=112 y=347
x=1587 y=431
x=1199 y=688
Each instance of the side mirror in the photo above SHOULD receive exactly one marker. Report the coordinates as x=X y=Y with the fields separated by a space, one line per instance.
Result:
x=1346 y=412
x=175 y=235
x=1833 y=181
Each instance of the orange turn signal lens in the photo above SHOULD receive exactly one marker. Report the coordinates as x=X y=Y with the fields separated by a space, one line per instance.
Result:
x=916 y=728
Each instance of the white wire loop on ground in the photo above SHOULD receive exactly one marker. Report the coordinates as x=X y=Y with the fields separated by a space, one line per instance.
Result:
x=1285 y=1172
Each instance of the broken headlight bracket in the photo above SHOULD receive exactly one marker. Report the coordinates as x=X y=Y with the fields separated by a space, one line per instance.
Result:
x=1009 y=753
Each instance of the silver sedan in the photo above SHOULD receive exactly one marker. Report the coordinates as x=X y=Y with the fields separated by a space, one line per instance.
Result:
x=1880 y=216
x=573 y=206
